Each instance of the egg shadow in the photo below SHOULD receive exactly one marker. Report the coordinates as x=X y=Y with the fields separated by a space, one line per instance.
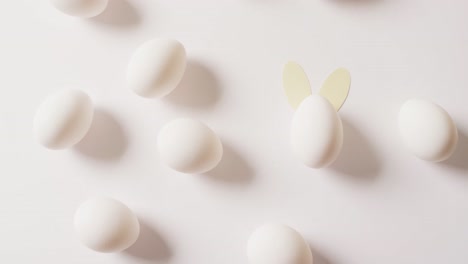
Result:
x=118 y=14
x=199 y=88
x=318 y=257
x=105 y=140
x=150 y=245
x=358 y=157
x=459 y=159
x=232 y=168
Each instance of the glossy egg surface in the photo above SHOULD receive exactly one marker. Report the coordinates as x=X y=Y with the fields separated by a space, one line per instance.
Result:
x=316 y=132
x=427 y=130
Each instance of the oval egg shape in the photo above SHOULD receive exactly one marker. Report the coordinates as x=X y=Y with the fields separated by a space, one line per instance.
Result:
x=316 y=132
x=156 y=67
x=189 y=146
x=106 y=225
x=278 y=244
x=63 y=119
x=80 y=8
x=427 y=130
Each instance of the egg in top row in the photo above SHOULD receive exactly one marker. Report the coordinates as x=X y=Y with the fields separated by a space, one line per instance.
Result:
x=81 y=8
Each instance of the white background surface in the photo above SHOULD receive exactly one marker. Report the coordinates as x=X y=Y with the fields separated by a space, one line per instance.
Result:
x=376 y=204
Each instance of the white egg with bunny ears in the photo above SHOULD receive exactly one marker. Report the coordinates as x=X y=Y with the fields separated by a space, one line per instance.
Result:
x=316 y=128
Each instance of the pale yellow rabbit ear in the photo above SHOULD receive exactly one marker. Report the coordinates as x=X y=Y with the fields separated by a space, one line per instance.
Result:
x=295 y=83
x=336 y=87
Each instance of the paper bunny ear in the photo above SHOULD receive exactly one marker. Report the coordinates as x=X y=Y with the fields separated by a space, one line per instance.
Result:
x=295 y=83
x=336 y=87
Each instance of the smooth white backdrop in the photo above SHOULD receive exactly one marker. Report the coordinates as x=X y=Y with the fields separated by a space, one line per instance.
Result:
x=376 y=204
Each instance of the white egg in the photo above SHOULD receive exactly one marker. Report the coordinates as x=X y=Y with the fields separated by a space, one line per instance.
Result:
x=278 y=244
x=427 y=130
x=156 y=68
x=316 y=132
x=63 y=119
x=106 y=225
x=189 y=146
x=81 y=8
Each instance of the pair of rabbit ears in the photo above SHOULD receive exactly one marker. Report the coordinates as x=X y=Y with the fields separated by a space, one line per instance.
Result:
x=297 y=86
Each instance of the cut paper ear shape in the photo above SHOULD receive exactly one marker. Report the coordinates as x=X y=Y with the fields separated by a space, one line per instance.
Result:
x=81 y=8
x=427 y=130
x=189 y=146
x=106 y=225
x=63 y=119
x=296 y=84
x=278 y=244
x=336 y=87
x=316 y=129
x=156 y=68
